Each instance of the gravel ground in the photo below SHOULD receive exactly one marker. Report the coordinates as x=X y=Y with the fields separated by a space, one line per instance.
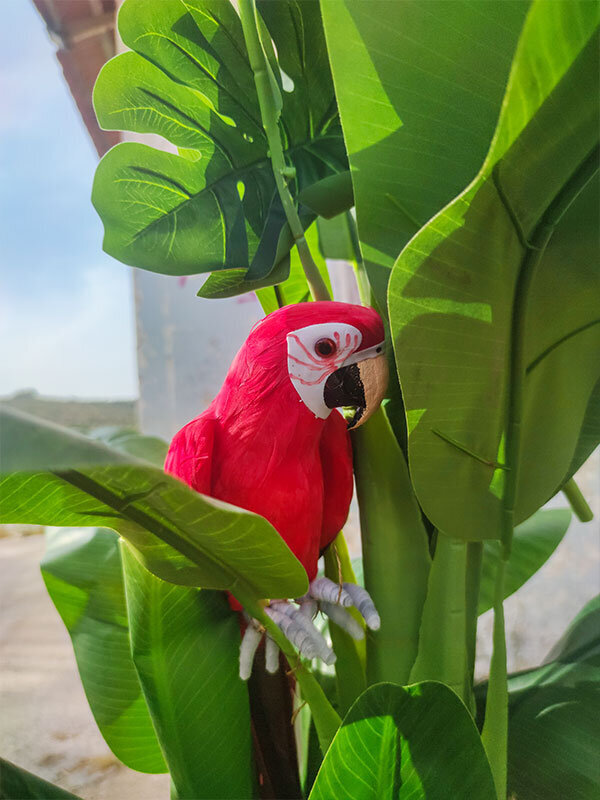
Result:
x=47 y=726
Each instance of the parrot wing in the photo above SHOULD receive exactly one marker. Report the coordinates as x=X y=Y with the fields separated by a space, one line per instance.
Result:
x=336 y=463
x=190 y=454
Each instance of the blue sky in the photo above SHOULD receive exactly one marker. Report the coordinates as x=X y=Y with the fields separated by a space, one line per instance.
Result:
x=66 y=308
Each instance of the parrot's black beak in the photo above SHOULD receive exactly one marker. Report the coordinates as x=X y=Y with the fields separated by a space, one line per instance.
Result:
x=360 y=385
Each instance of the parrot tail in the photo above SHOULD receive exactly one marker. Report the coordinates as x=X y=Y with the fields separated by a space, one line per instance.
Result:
x=271 y=709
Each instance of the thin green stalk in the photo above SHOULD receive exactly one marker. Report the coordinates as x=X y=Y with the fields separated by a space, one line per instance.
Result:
x=326 y=719
x=496 y=714
x=270 y=116
x=350 y=663
x=495 y=726
x=577 y=501
x=442 y=652
x=395 y=549
x=474 y=560
x=360 y=273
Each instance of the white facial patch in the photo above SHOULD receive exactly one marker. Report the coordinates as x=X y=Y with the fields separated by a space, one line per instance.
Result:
x=309 y=370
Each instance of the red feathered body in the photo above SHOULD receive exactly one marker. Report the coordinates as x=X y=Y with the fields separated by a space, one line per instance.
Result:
x=259 y=447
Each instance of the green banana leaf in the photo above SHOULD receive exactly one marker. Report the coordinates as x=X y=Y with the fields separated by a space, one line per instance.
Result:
x=55 y=477
x=18 y=784
x=214 y=204
x=589 y=436
x=148 y=448
x=535 y=540
x=495 y=330
x=185 y=645
x=419 y=86
x=82 y=572
x=406 y=742
x=553 y=717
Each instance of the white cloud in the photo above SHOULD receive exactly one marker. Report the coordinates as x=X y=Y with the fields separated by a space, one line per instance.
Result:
x=76 y=344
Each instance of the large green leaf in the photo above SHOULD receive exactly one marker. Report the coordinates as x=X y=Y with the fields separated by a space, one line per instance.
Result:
x=412 y=742
x=18 y=784
x=553 y=718
x=214 y=205
x=56 y=477
x=419 y=86
x=185 y=644
x=82 y=572
x=498 y=359
x=534 y=542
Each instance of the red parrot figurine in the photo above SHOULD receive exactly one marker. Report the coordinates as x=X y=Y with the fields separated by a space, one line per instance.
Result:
x=272 y=442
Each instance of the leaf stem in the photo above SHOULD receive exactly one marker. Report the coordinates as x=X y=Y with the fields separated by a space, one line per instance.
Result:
x=495 y=726
x=442 y=652
x=473 y=581
x=496 y=713
x=270 y=115
x=577 y=501
x=395 y=550
x=326 y=719
x=360 y=273
x=350 y=663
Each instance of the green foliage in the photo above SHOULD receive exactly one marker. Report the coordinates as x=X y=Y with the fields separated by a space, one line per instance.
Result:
x=406 y=742
x=185 y=644
x=553 y=717
x=534 y=542
x=60 y=478
x=82 y=572
x=18 y=784
x=214 y=205
x=395 y=550
x=419 y=96
x=470 y=132
x=506 y=336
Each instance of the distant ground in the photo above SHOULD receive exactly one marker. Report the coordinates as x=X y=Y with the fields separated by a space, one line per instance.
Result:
x=72 y=413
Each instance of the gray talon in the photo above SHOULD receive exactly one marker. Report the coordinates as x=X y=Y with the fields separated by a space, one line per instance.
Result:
x=366 y=607
x=250 y=641
x=271 y=656
x=342 y=618
x=330 y=592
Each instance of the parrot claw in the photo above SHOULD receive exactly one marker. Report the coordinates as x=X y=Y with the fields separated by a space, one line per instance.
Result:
x=333 y=599
x=296 y=624
x=330 y=592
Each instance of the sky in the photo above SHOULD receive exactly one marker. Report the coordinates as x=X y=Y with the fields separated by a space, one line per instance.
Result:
x=66 y=308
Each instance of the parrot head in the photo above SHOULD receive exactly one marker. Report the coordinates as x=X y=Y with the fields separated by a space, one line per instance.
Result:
x=327 y=354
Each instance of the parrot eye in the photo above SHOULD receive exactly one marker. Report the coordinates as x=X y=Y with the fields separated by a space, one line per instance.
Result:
x=325 y=347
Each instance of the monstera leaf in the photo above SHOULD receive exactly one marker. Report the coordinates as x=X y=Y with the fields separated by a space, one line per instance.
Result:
x=213 y=205
x=494 y=303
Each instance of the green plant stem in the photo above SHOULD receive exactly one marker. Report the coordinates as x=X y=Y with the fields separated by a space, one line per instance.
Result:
x=350 y=663
x=473 y=580
x=270 y=115
x=496 y=713
x=326 y=719
x=360 y=273
x=495 y=726
x=442 y=652
x=395 y=549
x=577 y=501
